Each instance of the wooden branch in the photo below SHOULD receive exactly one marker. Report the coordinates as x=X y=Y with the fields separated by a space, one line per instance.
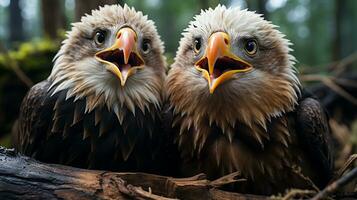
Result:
x=337 y=184
x=329 y=81
x=337 y=67
x=22 y=177
x=340 y=67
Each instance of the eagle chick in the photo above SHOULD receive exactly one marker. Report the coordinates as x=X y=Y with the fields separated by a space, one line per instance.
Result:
x=237 y=105
x=100 y=106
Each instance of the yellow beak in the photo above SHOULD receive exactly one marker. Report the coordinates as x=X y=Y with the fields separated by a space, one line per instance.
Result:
x=219 y=64
x=122 y=59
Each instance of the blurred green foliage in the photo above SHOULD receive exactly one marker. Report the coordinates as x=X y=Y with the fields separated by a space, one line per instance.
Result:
x=40 y=49
x=35 y=60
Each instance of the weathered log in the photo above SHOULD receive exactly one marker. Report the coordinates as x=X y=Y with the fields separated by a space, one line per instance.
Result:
x=22 y=177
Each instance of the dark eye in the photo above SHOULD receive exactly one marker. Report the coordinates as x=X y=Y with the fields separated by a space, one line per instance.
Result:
x=251 y=47
x=99 y=37
x=145 y=46
x=197 y=45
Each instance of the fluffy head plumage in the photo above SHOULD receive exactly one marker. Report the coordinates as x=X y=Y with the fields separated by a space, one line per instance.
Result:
x=77 y=70
x=251 y=98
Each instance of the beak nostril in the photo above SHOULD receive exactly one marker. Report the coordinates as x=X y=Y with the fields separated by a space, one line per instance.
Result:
x=226 y=41
x=119 y=35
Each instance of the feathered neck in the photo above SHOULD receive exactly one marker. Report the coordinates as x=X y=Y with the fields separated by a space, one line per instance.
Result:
x=84 y=79
x=234 y=105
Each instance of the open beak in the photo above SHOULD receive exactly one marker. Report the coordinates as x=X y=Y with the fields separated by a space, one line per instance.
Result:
x=122 y=58
x=219 y=64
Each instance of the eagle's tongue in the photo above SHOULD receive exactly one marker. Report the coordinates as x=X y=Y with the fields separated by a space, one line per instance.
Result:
x=125 y=69
x=216 y=73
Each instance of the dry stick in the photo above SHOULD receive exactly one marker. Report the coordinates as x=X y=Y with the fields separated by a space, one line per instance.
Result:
x=336 y=67
x=136 y=192
x=336 y=185
x=230 y=178
x=346 y=82
x=294 y=192
x=297 y=171
x=347 y=165
x=312 y=77
x=328 y=81
x=318 y=77
x=147 y=195
x=341 y=66
x=15 y=67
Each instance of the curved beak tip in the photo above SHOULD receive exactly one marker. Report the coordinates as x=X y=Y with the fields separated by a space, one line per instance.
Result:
x=122 y=82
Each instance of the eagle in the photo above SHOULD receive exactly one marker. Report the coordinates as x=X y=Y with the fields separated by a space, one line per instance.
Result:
x=237 y=105
x=100 y=106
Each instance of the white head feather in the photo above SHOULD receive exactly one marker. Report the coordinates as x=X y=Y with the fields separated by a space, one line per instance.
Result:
x=77 y=71
x=252 y=98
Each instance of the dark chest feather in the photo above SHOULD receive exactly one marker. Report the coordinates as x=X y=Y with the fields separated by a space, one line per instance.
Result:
x=270 y=166
x=64 y=132
x=216 y=153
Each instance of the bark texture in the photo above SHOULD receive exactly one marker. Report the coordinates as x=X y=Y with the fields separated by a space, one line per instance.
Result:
x=22 y=177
